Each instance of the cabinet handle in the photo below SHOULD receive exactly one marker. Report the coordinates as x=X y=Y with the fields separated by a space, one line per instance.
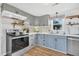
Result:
x=43 y=40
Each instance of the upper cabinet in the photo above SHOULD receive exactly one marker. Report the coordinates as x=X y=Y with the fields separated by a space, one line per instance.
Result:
x=43 y=20
x=33 y=20
x=39 y=21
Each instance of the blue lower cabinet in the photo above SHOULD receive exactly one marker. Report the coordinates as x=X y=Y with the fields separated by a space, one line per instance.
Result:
x=56 y=42
x=61 y=44
x=41 y=39
x=46 y=40
x=51 y=42
x=36 y=38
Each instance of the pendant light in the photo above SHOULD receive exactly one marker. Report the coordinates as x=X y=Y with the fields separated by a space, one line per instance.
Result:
x=56 y=14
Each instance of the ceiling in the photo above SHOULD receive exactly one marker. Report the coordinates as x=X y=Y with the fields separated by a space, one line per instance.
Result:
x=39 y=9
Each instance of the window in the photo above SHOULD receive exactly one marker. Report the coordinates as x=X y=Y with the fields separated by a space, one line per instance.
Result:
x=56 y=23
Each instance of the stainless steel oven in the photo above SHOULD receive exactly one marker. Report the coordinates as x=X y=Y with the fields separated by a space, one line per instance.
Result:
x=17 y=43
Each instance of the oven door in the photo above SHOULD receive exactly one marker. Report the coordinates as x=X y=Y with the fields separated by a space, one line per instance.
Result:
x=19 y=43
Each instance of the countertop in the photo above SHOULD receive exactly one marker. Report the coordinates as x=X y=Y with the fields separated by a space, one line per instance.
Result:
x=68 y=35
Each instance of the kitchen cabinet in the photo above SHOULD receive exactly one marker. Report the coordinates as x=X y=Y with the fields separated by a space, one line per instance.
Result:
x=41 y=39
x=39 y=21
x=36 y=39
x=46 y=40
x=61 y=43
x=73 y=45
x=32 y=40
x=51 y=41
x=43 y=22
x=34 y=22
x=56 y=42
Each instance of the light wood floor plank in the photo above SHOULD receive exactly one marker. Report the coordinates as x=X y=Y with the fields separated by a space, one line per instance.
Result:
x=41 y=51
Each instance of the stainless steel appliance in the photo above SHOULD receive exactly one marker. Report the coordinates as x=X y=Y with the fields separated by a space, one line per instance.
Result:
x=73 y=46
x=16 y=43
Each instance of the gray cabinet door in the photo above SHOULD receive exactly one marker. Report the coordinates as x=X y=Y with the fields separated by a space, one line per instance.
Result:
x=46 y=40
x=61 y=44
x=43 y=22
x=40 y=39
x=43 y=40
x=52 y=42
x=39 y=21
x=34 y=22
x=49 y=41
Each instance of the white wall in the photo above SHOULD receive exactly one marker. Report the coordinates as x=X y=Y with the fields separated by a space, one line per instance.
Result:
x=7 y=23
x=2 y=38
x=0 y=30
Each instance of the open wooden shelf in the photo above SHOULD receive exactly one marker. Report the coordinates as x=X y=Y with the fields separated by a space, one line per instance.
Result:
x=73 y=16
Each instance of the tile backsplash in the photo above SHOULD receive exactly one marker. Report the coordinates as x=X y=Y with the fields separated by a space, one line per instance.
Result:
x=39 y=28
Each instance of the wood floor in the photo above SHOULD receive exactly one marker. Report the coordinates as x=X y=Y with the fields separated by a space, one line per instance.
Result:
x=41 y=51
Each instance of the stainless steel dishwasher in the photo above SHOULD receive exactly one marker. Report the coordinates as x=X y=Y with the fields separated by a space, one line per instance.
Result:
x=73 y=46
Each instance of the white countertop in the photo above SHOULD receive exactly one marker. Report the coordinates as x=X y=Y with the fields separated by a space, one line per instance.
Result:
x=72 y=35
x=47 y=34
x=69 y=35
